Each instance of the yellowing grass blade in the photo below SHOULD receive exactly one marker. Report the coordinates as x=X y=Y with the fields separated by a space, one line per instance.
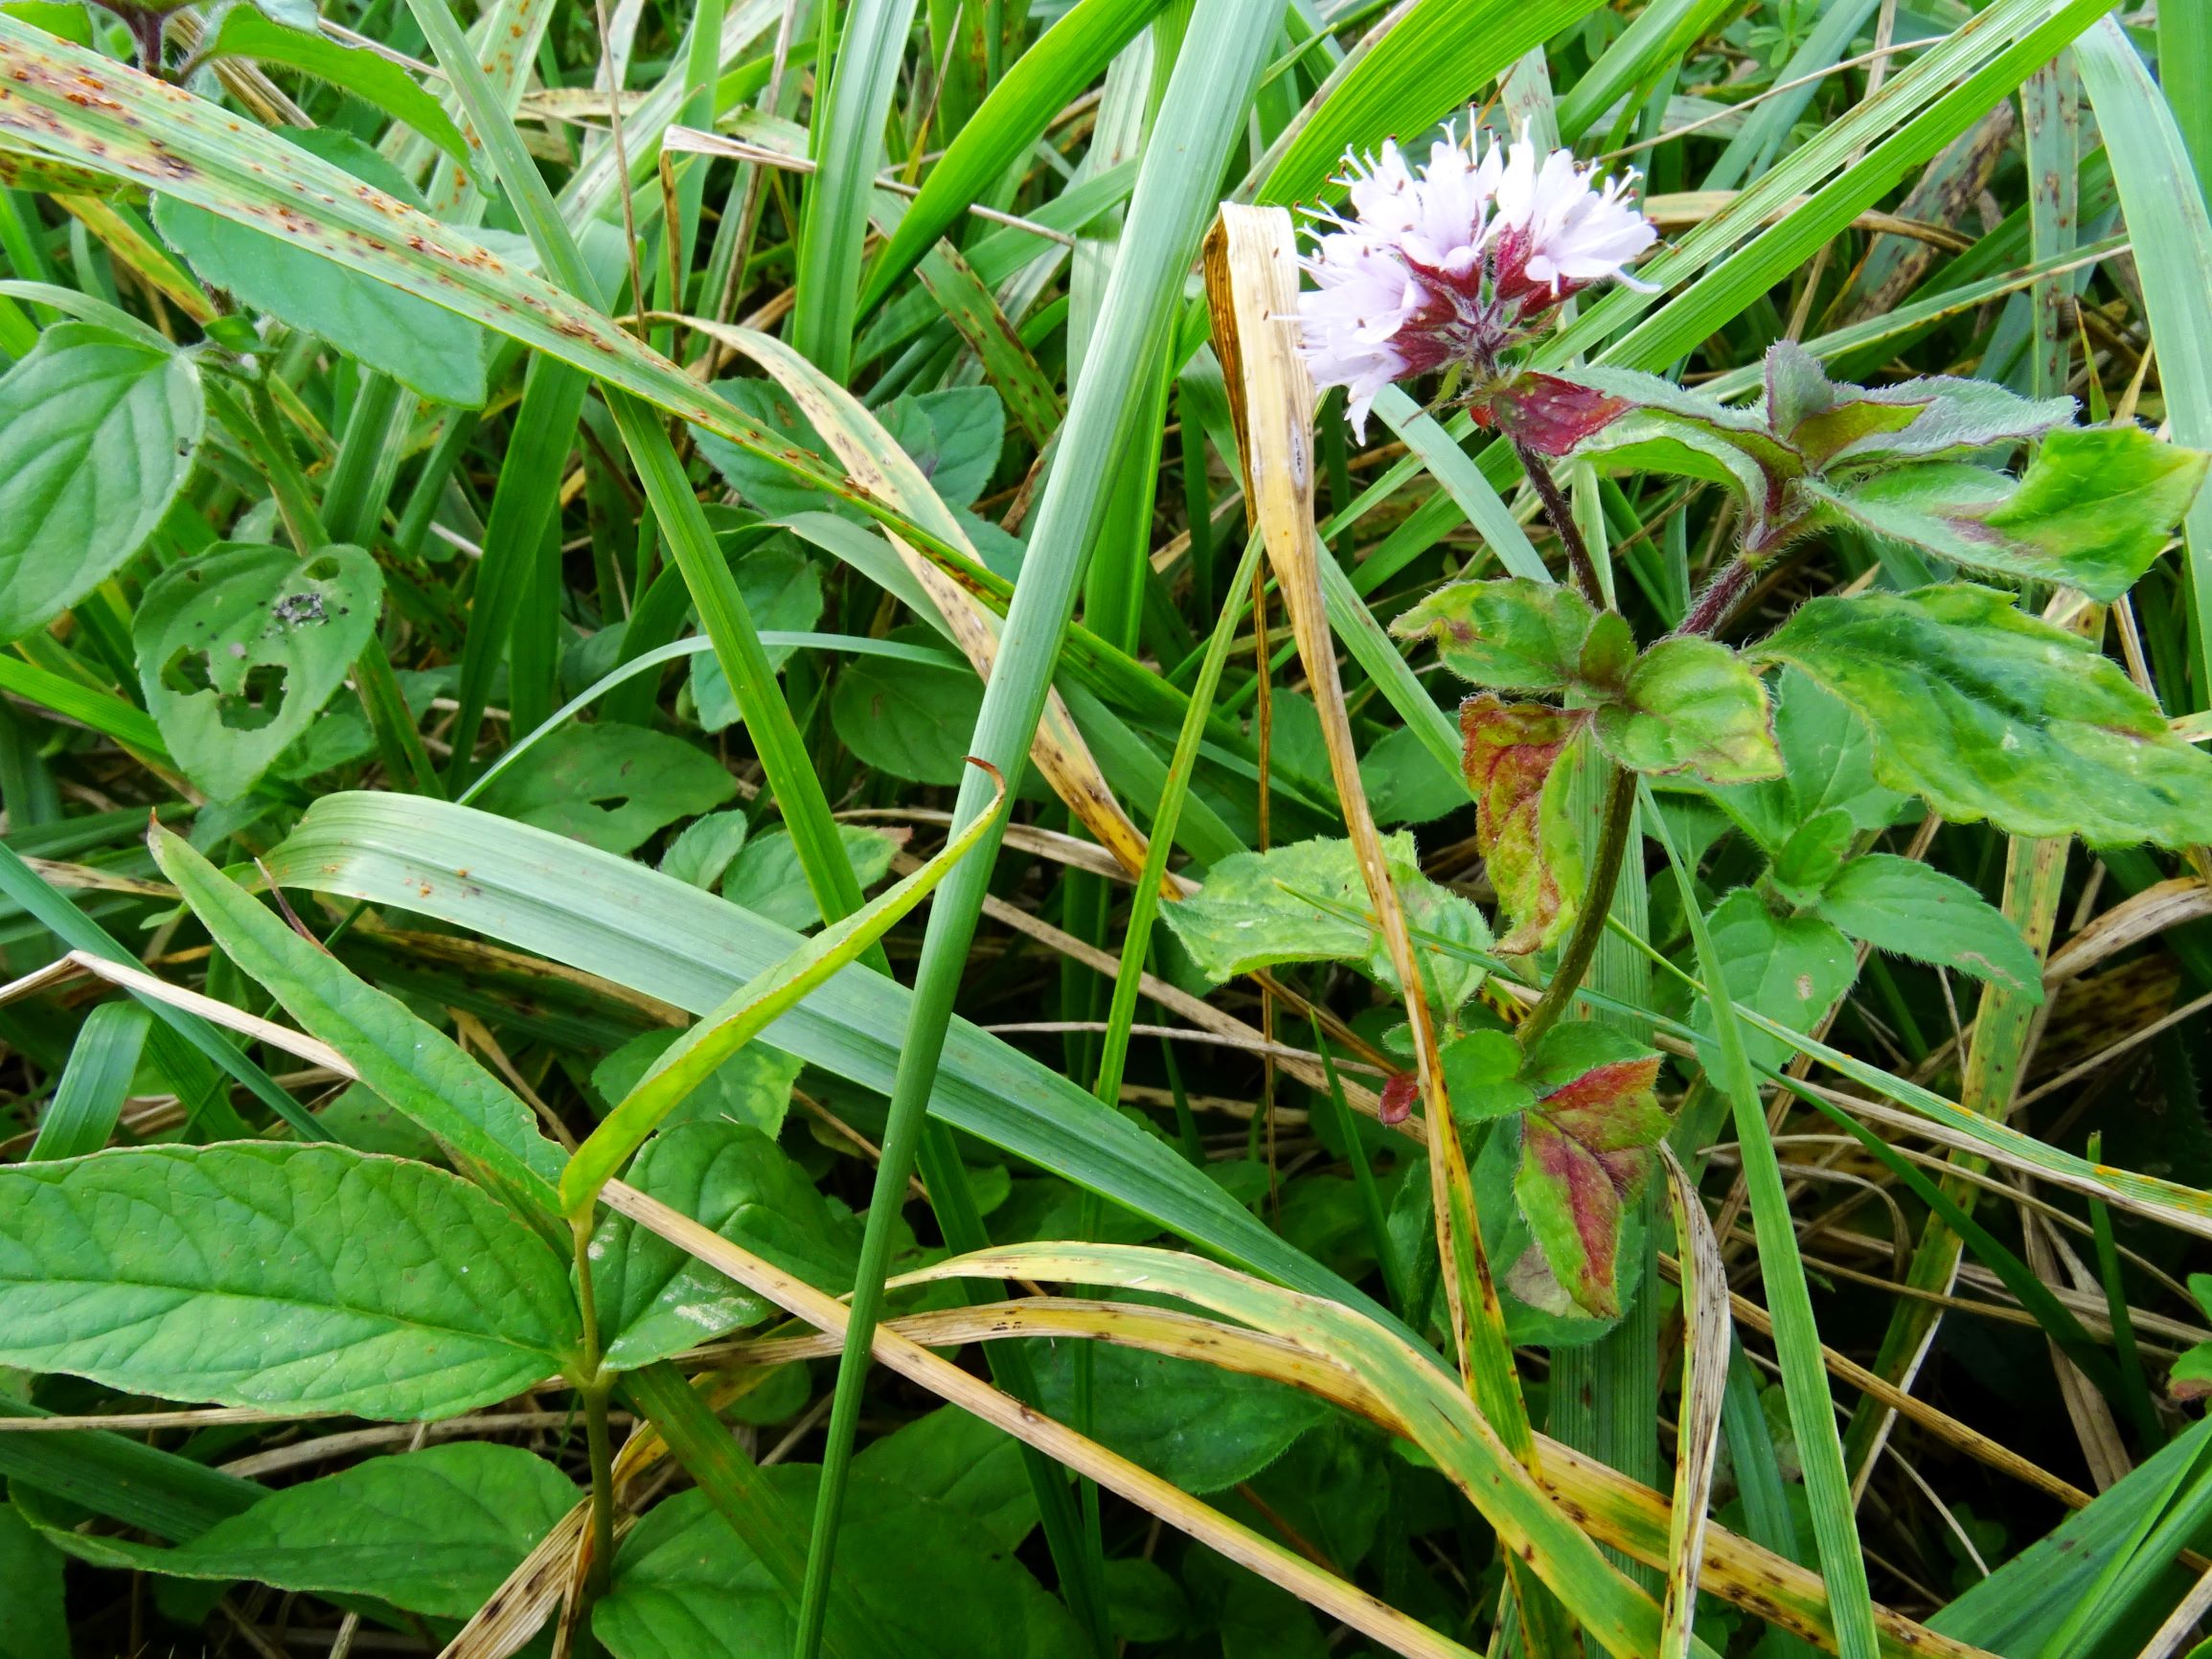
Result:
x=1704 y=1380
x=886 y=472
x=1372 y=1618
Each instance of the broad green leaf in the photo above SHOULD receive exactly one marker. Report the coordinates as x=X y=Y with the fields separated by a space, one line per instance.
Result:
x=653 y=1299
x=424 y=347
x=961 y=1461
x=1510 y=634
x=1902 y=906
x=1406 y=784
x=938 y=1586
x=765 y=875
x=953 y=436
x=1691 y=705
x=1790 y=969
x=765 y=485
x=434 y=1532
x=1990 y=713
x=609 y=786
x=702 y=851
x=291 y=1278
x=416 y=1068
x=2092 y=512
x=1197 y=1426
x=783 y=590
x=1812 y=856
x=906 y=718
x=1520 y=763
x=1251 y=914
x=240 y=647
x=1585 y=1149
x=653 y=933
x=1828 y=762
x=101 y=430
x=752 y=1087
x=367 y=75
x=33 y=1624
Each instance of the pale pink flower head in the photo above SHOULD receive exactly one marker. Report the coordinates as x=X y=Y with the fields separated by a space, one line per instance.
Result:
x=1454 y=260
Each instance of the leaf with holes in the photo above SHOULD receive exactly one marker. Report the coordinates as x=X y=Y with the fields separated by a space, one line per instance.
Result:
x=609 y=786
x=1585 y=1150
x=1990 y=713
x=1691 y=705
x=1524 y=821
x=239 y=648
x=1512 y=634
x=425 y=348
x=292 y=1277
x=433 y=1532
x=653 y=1299
x=100 y=430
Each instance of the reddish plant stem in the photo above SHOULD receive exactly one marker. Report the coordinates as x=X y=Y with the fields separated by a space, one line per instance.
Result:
x=1722 y=595
x=1562 y=514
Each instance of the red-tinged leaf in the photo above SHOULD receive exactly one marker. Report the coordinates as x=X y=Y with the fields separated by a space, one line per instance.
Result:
x=1512 y=754
x=1551 y=415
x=1398 y=1096
x=1585 y=1150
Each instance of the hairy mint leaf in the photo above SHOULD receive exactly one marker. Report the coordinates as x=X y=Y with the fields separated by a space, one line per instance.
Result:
x=433 y=1532
x=1901 y=906
x=292 y=1277
x=767 y=878
x=1814 y=857
x=2091 y=512
x=953 y=436
x=1250 y=915
x=653 y=1299
x=1790 y=969
x=952 y=1458
x=1691 y=705
x=702 y=852
x=1197 y=1426
x=1513 y=633
x=1990 y=713
x=752 y=1087
x=782 y=588
x=913 y=720
x=609 y=786
x=1548 y=413
x=100 y=430
x=239 y=648
x=1525 y=826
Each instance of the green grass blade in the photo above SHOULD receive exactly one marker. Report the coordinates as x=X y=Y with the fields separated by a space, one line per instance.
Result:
x=88 y=1101
x=1661 y=33
x=1788 y=1299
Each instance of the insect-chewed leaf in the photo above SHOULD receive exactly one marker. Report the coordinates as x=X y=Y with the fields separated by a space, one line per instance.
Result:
x=1251 y=914
x=1990 y=713
x=1692 y=705
x=1513 y=756
x=609 y=784
x=294 y=1278
x=1512 y=634
x=2092 y=511
x=239 y=648
x=100 y=431
x=1585 y=1150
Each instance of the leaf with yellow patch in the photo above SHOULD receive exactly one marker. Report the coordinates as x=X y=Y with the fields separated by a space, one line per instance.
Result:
x=1523 y=823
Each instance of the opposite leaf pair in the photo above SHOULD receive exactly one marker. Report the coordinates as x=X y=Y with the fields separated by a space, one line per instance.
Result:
x=1684 y=704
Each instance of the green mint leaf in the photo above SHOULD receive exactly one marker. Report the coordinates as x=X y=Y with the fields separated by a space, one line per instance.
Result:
x=1691 y=705
x=609 y=786
x=291 y=1278
x=1814 y=857
x=101 y=430
x=1903 y=908
x=1990 y=713
x=1512 y=634
x=1790 y=969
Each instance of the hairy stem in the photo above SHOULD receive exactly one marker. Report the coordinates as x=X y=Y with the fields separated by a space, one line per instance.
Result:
x=1597 y=900
x=1723 y=594
x=1562 y=517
